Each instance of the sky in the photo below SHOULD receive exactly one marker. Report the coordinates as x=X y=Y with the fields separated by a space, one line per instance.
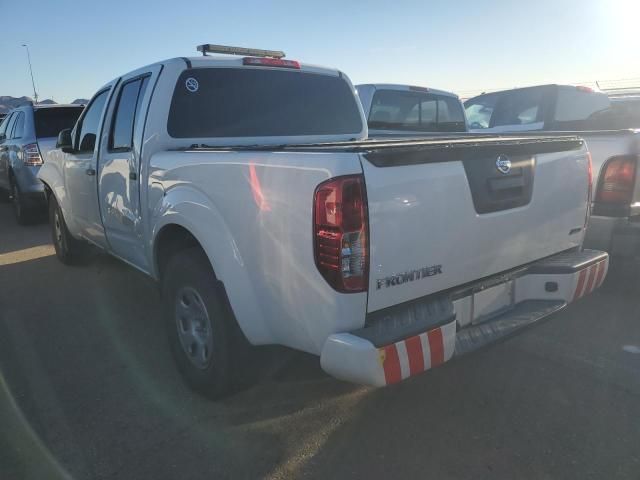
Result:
x=457 y=45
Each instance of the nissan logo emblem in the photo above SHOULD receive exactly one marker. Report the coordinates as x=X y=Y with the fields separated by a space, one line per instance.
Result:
x=503 y=164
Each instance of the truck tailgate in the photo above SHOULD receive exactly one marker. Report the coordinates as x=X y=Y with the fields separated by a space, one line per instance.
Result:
x=442 y=217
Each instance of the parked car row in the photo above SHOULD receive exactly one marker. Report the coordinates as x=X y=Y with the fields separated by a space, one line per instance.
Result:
x=277 y=204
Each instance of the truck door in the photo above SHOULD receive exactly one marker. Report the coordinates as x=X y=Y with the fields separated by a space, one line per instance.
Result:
x=119 y=167
x=80 y=169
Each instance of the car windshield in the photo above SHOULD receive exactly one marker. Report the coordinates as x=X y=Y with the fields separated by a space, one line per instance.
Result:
x=50 y=122
x=413 y=110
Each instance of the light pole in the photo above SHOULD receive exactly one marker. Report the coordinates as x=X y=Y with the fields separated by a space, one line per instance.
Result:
x=35 y=94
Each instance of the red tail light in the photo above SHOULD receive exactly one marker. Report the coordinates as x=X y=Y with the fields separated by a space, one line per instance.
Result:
x=31 y=155
x=341 y=229
x=617 y=180
x=270 y=62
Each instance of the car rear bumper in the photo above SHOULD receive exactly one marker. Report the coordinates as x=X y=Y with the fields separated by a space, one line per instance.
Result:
x=465 y=320
x=620 y=236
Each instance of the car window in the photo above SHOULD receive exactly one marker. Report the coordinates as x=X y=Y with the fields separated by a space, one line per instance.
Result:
x=408 y=110
x=577 y=108
x=623 y=113
x=479 y=110
x=49 y=122
x=18 y=127
x=91 y=122
x=126 y=112
x=5 y=124
x=247 y=102
x=518 y=107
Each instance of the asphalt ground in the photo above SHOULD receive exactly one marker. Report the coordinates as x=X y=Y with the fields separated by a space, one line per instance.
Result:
x=88 y=390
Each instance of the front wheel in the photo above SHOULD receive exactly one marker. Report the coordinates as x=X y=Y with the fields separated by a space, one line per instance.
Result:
x=68 y=249
x=204 y=337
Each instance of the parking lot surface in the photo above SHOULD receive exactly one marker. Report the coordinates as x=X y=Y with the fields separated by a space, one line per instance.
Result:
x=88 y=390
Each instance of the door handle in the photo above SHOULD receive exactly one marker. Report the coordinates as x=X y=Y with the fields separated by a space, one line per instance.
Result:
x=90 y=171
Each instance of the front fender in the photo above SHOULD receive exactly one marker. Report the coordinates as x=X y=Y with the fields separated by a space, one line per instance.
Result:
x=52 y=176
x=192 y=210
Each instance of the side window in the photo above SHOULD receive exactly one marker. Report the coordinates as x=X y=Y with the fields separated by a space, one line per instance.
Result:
x=18 y=128
x=479 y=110
x=90 y=123
x=5 y=124
x=127 y=109
x=519 y=107
x=577 y=108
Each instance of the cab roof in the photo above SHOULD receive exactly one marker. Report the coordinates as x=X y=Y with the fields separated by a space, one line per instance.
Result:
x=407 y=88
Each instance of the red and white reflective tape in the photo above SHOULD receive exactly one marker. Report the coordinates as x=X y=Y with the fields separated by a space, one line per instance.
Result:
x=416 y=354
x=590 y=278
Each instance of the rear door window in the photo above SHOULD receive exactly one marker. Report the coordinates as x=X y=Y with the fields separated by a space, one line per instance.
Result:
x=18 y=127
x=578 y=108
x=49 y=122
x=261 y=102
x=408 y=110
x=518 y=108
x=5 y=124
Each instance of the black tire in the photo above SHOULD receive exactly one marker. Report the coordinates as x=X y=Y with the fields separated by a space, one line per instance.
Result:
x=21 y=209
x=210 y=359
x=68 y=250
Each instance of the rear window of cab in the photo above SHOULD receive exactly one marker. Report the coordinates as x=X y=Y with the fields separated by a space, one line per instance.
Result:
x=261 y=102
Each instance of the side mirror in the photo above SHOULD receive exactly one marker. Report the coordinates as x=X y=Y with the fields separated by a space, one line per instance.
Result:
x=64 y=142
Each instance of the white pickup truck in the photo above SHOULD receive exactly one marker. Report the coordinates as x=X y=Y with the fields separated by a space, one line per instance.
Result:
x=247 y=187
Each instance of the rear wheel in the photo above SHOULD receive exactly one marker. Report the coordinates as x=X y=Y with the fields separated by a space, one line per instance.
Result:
x=68 y=250
x=21 y=209
x=205 y=340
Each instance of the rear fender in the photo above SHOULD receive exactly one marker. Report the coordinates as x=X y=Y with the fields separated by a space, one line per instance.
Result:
x=190 y=209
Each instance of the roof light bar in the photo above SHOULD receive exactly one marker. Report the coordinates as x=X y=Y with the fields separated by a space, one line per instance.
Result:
x=252 y=52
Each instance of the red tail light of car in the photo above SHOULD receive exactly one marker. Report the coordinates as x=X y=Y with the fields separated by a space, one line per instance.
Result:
x=341 y=230
x=617 y=180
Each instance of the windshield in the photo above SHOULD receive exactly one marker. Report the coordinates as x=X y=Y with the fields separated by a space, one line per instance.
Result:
x=261 y=102
x=406 y=110
x=51 y=121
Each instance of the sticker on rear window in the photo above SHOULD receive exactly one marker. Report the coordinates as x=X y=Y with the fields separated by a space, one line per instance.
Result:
x=192 y=84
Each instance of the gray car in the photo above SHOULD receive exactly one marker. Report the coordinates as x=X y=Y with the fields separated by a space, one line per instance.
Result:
x=26 y=135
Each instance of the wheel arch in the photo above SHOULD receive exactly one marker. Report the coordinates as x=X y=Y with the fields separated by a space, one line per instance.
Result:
x=234 y=283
